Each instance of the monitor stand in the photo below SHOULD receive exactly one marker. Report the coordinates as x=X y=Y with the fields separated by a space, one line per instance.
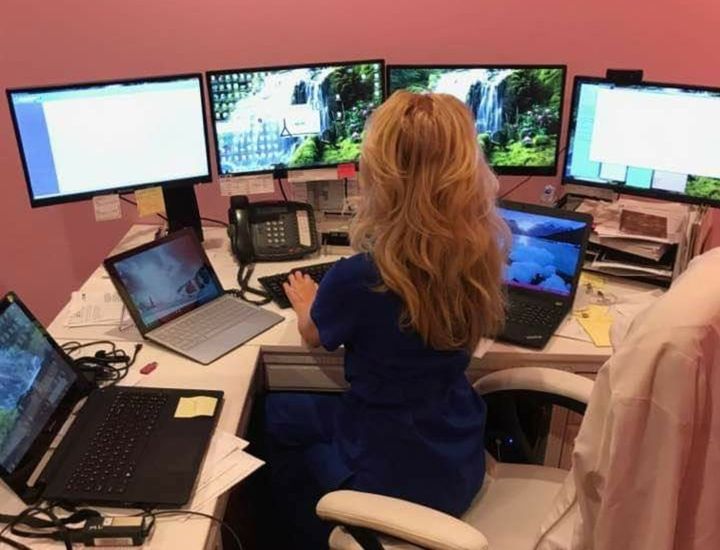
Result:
x=182 y=210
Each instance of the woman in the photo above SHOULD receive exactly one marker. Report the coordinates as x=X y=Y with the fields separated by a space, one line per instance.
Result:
x=409 y=309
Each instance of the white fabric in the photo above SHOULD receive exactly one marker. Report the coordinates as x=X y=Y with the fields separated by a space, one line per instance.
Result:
x=646 y=469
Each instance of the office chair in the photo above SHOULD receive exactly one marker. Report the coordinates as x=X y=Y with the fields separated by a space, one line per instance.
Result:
x=644 y=463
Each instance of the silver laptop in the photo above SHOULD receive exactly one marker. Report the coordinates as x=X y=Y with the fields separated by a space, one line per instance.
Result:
x=175 y=298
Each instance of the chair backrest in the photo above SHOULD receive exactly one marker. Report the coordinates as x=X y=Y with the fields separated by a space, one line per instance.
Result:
x=646 y=468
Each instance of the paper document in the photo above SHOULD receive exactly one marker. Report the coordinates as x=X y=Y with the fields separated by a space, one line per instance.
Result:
x=94 y=308
x=225 y=465
x=607 y=217
x=596 y=321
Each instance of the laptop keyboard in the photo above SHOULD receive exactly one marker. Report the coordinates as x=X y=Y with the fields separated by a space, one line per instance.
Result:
x=532 y=314
x=111 y=458
x=198 y=327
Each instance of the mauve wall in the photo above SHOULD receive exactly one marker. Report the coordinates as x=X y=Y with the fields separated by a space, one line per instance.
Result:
x=46 y=253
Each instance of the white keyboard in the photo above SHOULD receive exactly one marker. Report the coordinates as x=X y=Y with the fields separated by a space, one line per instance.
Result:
x=200 y=325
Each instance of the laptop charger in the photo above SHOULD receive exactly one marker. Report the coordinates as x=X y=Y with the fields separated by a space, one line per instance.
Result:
x=115 y=531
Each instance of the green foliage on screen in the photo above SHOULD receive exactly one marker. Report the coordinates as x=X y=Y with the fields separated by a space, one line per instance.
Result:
x=701 y=186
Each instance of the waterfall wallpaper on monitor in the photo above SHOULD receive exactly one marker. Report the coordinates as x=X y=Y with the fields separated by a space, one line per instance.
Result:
x=299 y=117
x=517 y=110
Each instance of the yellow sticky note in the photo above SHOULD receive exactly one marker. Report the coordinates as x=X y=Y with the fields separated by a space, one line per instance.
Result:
x=190 y=407
x=596 y=321
x=150 y=201
x=593 y=279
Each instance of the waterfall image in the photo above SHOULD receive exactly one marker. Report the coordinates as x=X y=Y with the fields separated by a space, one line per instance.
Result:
x=516 y=110
x=481 y=90
x=298 y=117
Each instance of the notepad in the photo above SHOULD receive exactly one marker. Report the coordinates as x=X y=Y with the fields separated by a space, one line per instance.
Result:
x=596 y=321
x=190 y=407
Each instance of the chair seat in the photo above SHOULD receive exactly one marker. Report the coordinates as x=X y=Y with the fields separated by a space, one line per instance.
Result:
x=508 y=510
x=513 y=504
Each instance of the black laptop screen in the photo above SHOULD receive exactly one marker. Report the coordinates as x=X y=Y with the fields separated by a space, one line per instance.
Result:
x=34 y=378
x=545 y=251
x=167 y=279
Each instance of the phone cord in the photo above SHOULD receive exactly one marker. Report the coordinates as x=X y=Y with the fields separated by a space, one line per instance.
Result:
x=243 y=278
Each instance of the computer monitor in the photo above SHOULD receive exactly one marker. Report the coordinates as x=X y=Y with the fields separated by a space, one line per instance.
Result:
x=296 y=117
x=650 y=139
x=517 y=108
x=81 y=140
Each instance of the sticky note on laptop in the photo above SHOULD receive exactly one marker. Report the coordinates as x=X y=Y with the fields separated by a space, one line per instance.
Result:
x=190 y=407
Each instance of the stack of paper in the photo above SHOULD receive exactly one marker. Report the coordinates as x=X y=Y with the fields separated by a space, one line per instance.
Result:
x=634 y=238
x=95 y=308
x=226 y=464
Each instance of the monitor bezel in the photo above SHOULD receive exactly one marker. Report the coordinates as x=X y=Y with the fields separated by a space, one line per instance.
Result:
x=503 y=170
x=36 y=202
x=208 y=74
x=617 y=187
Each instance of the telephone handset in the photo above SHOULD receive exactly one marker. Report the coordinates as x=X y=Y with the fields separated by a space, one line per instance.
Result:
x=271 y=231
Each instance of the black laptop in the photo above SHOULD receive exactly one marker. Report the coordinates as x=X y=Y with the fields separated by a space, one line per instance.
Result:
x=543 y=269
x=123 y=447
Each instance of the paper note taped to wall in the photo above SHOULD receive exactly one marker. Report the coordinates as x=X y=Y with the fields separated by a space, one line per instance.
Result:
x=150 y=201
x=107 y=207
x=234 y=186
x=190 y=407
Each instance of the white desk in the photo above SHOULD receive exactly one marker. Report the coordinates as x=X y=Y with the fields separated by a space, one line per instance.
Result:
x=285 y=363
x=288 y=364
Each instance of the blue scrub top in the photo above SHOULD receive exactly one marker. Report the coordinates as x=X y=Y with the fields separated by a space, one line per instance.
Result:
x=410 y=426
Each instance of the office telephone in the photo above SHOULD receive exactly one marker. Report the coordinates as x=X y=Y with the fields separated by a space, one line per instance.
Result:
x=271 y=231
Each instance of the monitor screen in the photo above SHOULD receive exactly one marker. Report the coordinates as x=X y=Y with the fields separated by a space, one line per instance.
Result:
x=545 y=252
x=650 y=139
x=165 y=279
x=302 y=117
x=81 y=140
x=34 y=379
x=517 y=109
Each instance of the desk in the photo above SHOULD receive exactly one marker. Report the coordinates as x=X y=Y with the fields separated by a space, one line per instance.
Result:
x=284 y=363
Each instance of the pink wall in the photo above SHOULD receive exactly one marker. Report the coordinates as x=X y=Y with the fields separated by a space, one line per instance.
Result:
x=48 y=252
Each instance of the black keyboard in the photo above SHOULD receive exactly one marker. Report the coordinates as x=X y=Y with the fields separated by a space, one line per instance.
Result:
x=532 y=314
x=273 y=283
x=111 y=457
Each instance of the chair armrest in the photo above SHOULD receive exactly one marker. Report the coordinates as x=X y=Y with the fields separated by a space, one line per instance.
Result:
x=552 y=381
x=404 y=520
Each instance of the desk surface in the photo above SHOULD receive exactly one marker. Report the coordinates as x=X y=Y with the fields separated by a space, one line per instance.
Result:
x=284 y=336
x=287 y=363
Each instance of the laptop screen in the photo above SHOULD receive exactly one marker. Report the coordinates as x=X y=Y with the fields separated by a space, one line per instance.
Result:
x=166 y=278
x=34 y=379
x=546 y=251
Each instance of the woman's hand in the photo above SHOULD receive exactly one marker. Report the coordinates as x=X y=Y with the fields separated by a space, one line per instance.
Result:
x=301 y=291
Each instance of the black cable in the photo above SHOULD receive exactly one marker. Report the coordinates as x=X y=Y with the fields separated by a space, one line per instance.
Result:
x=282 y=189
x=63 y=533
x=219 y=222
x=102 y=366
x=123 y=198
x=221 y=522
x=515 y=187
x=244 y=273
